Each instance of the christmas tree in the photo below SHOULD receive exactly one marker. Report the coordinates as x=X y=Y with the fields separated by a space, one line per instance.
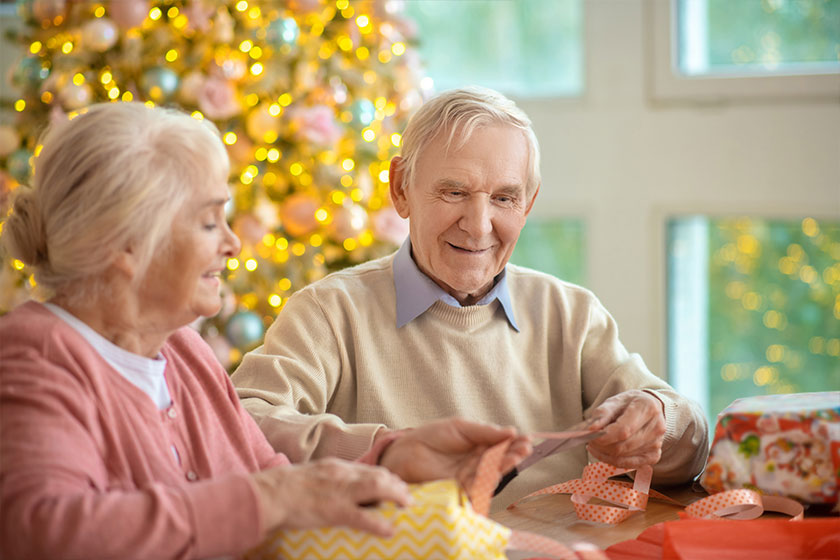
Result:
x=310 y=97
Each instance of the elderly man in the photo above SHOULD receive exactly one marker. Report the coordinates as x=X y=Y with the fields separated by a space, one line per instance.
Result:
x=445 y=326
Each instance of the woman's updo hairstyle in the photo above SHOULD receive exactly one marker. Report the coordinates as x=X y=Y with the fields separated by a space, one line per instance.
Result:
x=110 y=179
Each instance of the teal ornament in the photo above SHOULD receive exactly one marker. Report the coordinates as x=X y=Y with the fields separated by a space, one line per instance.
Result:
x=283 y=31
x=159 y=83
x=244 y=329
x=363 y=112
x=18 y=164
x=29 y=73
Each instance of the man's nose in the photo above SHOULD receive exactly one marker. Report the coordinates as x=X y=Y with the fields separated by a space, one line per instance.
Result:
x=477 y=219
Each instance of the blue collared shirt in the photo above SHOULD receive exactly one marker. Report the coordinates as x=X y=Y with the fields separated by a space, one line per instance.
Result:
x=416 y=292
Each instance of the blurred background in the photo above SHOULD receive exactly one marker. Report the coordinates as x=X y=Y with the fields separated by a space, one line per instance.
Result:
x=690 y=151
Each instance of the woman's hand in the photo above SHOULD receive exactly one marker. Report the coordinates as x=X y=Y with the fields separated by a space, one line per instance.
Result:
x=328 y=492
x=634 y=428
x=450 y=449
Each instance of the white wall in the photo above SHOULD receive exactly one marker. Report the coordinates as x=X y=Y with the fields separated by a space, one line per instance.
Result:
x=625 y=163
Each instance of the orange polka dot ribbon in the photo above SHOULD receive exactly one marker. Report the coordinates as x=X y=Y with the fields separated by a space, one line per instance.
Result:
x=480 y=493
x=628 y=498
x=742 y=504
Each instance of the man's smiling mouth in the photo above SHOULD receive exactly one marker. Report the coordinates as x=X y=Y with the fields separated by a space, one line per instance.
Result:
x=467 y=250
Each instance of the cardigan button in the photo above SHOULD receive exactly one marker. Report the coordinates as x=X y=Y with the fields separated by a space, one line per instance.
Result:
x=191 y=476
x=172 y=413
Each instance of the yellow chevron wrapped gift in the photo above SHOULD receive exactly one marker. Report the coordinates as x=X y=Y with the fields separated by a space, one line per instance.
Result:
x=440 y=525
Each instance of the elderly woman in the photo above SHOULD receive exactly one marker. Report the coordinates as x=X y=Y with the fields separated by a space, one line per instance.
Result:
x=122 y=436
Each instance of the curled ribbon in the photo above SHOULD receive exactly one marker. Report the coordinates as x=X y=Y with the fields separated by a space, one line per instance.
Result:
x=742 y=504
x=732 y=504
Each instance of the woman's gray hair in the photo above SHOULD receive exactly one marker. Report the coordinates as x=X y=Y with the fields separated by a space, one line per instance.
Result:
x=457 y=113
x=111 y=179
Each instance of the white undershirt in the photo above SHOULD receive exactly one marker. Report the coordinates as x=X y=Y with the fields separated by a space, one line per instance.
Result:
x=144 y=373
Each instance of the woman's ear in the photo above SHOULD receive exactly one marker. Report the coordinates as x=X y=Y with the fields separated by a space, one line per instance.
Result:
x=396 y=183
x=125 y=263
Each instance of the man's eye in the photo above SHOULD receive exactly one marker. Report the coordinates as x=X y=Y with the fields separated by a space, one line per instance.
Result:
x=210 y=227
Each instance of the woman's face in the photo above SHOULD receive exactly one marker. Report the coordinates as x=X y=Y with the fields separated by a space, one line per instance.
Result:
x=183 y=280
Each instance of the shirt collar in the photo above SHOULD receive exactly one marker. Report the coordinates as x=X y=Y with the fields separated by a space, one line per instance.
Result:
x=416 y=292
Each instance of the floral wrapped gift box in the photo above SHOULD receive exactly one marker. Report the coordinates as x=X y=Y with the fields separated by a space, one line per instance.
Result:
x=786 y=445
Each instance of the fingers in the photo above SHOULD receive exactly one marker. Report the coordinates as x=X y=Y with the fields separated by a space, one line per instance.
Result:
x=634 y=437
x=328 y=493
x=481 y=433
x=519 y=449
x=643 y=447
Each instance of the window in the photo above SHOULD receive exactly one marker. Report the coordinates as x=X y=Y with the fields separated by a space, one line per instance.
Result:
x=524 y=48
x=555 y=246
x=751 y=49
x=753 y=307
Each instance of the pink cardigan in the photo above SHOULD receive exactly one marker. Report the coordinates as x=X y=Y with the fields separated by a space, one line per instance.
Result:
x=86 y=462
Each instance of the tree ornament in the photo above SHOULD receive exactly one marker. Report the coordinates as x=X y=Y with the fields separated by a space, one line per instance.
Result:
x=159 y=83
x=128 y=13
x=298 y=214
x=18 y=164
x=99 y=34
x=261 y=125
x=29 y=73
x=348 y=221
x=244 y=329
x=75 y=96
x=363 y=112
x=282 y=31
x=390 y=226
x=9 y=140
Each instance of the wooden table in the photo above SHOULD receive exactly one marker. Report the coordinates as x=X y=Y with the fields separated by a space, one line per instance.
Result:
x=554 y=516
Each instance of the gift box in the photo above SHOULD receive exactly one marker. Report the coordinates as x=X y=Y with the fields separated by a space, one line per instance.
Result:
x=441 y=524
x=784 y=445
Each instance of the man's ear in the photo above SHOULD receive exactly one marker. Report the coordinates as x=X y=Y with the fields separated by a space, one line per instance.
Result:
x=396 y=183
x=533 y=199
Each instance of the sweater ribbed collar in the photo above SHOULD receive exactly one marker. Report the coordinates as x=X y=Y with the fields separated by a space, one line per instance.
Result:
x=416 y=292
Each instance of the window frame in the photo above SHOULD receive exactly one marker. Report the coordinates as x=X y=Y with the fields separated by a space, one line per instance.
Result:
x=665 y=84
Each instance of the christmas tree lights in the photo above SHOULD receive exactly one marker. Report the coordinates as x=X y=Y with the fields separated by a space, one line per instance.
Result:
x=310 y=97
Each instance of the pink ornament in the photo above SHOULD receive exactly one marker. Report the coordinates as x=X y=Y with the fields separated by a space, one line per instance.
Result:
x=249 y=229
x=198 y=15
x=217 y=99
x=389 y=226
x=348 y=222
x=298 y=214
x=317 y=125
x=128 y=13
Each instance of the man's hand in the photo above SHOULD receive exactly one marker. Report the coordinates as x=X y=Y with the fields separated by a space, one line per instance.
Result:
x=634 y=426
x=326 y=493
x=450 y=449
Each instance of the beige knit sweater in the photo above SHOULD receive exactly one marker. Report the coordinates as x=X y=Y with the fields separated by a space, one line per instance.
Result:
x=334 y=368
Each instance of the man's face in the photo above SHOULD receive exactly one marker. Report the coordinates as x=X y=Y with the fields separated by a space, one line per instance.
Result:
x=466 y=208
